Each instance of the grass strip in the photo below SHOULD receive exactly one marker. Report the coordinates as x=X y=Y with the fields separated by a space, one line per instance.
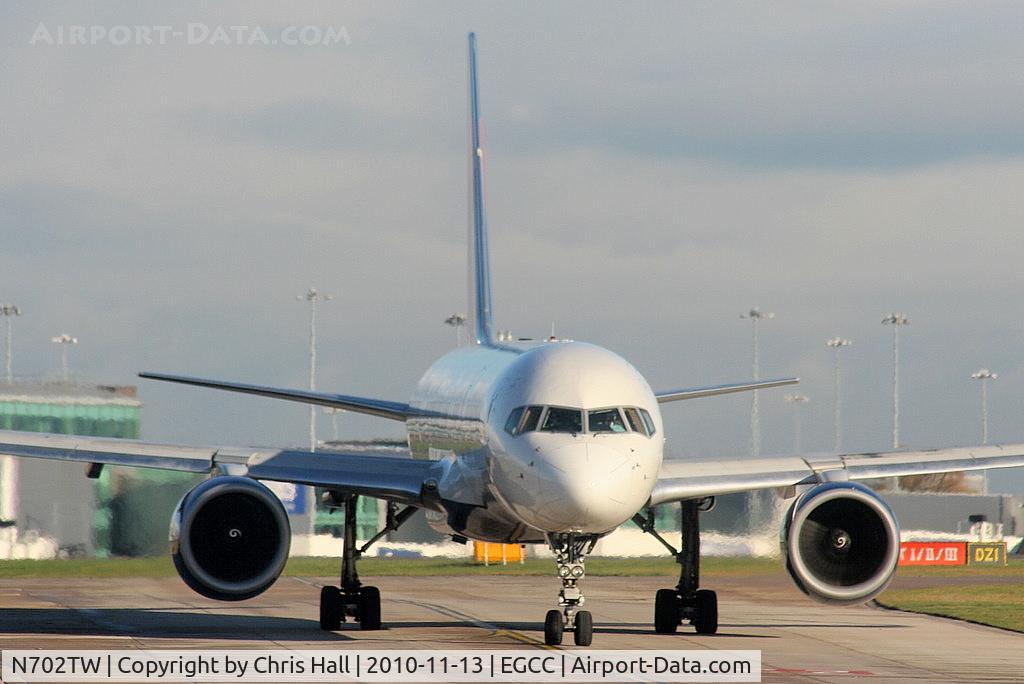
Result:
x=998 y=605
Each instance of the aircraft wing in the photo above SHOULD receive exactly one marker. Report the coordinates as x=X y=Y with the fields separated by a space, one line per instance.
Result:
x=391 y=410
x=685 y=479
x=404 y=480
x=715 y=390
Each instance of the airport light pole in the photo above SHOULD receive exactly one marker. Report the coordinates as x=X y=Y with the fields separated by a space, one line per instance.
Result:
x=457 y=321
x=314 y=297
x=837 y=343
x=897 y=321
x=798 y=400
x=984 y=375
x=9 y=311
x=64 y=340
x=333 y=412
x=756 y=316
x=8 y=464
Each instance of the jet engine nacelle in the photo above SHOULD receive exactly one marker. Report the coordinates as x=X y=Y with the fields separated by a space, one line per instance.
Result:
x=841 y=543
x=230 y=538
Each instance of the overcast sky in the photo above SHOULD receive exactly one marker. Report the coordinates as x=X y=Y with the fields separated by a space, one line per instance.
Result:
x=654 y=170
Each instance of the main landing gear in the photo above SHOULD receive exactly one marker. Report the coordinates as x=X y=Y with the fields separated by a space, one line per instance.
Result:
x=686 y=601
x=570 y=552
x=352 y=599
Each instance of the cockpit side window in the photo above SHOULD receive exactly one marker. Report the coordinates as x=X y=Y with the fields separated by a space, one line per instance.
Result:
x=636 y=424
x=512 y=424
x=648 y=421
x=523 y=419
x=530 y=419
x=605 y=420
x=562 y=420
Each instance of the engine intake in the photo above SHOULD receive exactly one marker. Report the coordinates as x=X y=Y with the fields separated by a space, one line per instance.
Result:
x=230 y=538
x=841 y=543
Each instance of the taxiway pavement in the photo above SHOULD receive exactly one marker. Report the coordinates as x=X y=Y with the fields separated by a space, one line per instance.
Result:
x=800 y=641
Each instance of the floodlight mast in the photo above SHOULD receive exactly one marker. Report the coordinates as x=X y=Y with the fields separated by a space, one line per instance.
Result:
x=64 y=340
x=9 y=311
x=797 y=400
x=984 y=375
x=897 y=321
x=314 y=297
x=756 y=315
x=9 y=464
x=333 y=413
x=457 y=321
x=837 y=343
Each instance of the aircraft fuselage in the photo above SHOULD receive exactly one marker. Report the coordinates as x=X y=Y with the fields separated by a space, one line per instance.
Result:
x=559 y=437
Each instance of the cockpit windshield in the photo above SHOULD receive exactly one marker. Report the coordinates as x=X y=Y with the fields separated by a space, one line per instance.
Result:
x=562 y=420
x=605 y=420
x=615 y=420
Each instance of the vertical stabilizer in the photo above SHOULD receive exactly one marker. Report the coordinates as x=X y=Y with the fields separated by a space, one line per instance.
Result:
x=480 y=266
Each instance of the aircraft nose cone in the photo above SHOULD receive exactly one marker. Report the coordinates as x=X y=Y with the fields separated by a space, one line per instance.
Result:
x=589 y=487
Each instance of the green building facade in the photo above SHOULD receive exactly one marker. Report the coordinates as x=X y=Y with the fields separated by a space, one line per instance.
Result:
x=66 y=416
x=123 y=512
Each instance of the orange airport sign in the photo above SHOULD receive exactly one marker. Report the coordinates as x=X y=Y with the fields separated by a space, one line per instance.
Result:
x=933 y=553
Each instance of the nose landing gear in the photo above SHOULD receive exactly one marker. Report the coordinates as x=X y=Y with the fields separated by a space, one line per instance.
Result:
x=570 y=553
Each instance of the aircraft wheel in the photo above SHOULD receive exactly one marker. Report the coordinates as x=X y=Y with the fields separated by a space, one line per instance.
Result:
x=369 y=608
x=584 y=632
x=553 y=628
x=706 y=619
x=330 y=609
x=666 y=611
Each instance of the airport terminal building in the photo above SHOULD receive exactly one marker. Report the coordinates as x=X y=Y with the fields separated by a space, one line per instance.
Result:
x=50 y=507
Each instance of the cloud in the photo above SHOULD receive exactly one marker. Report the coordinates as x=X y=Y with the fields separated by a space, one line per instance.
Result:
x=653 y=171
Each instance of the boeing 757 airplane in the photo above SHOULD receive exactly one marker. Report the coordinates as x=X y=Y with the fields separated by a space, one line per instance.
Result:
x=556 y=443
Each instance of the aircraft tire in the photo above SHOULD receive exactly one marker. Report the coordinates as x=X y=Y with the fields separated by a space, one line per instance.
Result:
x=330 y=609
x=369 y=608
x=666 y=611
x=583 y=634
x=553 y=628
x=706 y=620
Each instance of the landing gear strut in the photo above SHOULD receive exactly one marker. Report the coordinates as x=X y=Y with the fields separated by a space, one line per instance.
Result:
x=570 y=553
x=352 y=599
x=686 y=601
